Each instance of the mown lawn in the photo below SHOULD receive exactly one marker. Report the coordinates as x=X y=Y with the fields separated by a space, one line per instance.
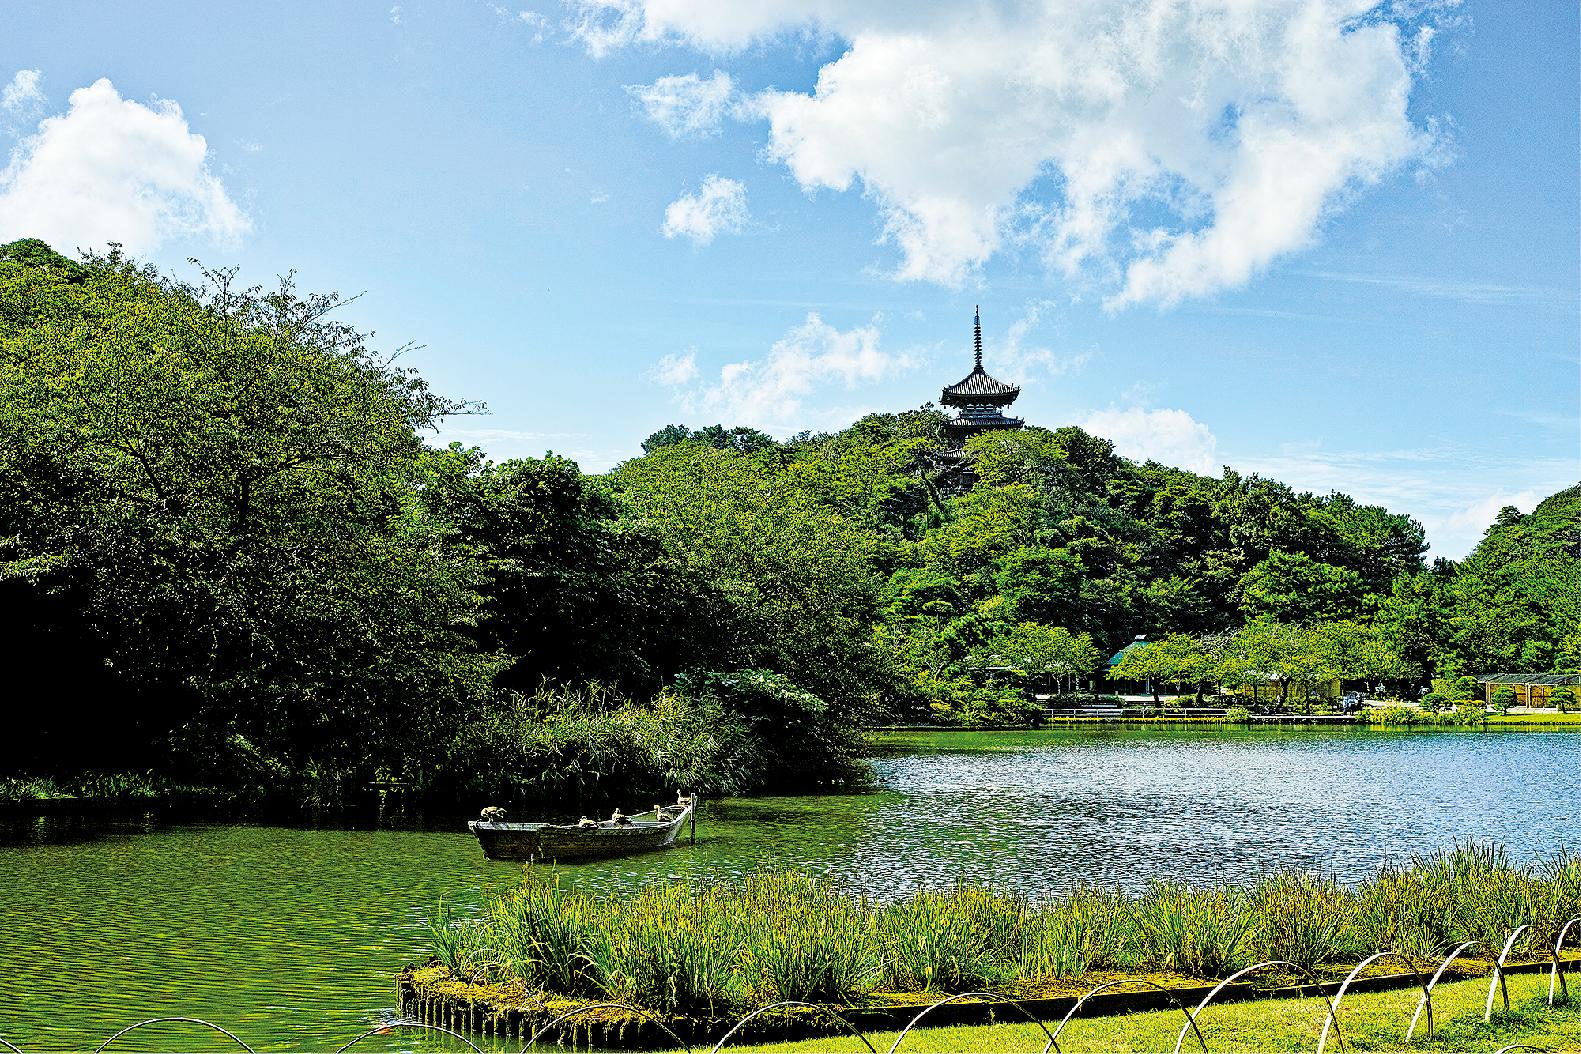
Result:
x=1369 y=1022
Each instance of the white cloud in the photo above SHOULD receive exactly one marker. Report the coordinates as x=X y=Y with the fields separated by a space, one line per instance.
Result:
x=720 y=207
x=1478 y=515
x=1020 y=358
x=1179 y=147
x=110 y=169
x=770 y=393
x=677 y=368
x=1170 y=437
x=686 y=106
x=395 y=15
x=538 y=23
x=23 y=95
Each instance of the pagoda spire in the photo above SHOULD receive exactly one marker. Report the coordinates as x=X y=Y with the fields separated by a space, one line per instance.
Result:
x=977 y=334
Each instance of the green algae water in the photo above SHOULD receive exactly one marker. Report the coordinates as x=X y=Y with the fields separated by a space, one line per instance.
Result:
x=290 y=937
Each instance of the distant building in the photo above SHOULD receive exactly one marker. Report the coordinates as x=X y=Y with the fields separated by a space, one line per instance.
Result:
x=1531 y=689
x=978 y=399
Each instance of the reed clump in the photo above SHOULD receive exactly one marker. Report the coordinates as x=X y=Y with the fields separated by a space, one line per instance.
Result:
x=720 y=948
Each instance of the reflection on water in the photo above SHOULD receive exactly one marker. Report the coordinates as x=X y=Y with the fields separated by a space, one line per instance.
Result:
x=290 y=937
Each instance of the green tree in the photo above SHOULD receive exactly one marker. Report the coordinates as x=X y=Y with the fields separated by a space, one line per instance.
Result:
x=798 y=577
x=1049 y=651
x=218 y=493
x=1517 y=597
x=1179 y=658
x=1293 y=587
x=746 y=440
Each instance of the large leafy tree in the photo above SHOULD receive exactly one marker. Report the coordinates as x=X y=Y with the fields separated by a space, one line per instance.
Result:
x=1517 y=597
x=799 y=577
x=574 y=593
x=216 y=493
x=1293 y=587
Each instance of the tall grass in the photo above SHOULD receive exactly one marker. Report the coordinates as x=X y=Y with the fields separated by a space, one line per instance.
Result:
x=717 y=948
x=965 y=939
x=1085 y=930
x=1202 y=932
x=1304 y=919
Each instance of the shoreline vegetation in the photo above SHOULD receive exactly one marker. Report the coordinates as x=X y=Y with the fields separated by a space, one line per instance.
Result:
x=151 y=790
x=733 y=945
x=231 y=560
x=686 y=954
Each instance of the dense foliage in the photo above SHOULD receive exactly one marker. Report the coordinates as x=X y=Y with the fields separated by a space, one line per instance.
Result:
x=228 y=556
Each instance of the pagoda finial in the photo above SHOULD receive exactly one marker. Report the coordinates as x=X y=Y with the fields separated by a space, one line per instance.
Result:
x=977 y=334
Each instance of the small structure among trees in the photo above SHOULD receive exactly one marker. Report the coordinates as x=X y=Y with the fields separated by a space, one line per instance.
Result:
x=1531 y=689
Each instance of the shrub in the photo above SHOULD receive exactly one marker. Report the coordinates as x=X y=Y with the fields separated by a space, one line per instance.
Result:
x=804 y=940
x=1464 y=688
x=1563 y=699
x=792 y=734
x=547 y=936
x=1237 y=715
x=773 y=936
x=1503 y=698
x=960 y=701
x=673 y=947
x=567 y=745
x=1397 y=716
x=1433 y=700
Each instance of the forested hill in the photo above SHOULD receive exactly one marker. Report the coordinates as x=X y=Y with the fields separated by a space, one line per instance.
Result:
x=228 y=555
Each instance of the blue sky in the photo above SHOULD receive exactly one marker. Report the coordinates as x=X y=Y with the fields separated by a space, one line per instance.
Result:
x=1326 y=240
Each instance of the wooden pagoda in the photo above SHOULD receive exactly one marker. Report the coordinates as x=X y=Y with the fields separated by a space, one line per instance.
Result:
x=979 y=400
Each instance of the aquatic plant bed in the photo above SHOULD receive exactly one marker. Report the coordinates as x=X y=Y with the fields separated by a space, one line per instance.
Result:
x=688 y=957
x=432 y=996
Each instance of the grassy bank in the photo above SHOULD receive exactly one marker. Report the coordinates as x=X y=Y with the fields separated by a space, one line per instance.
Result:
x=717 y=949
x=1374 y=1021
x=1386 y=719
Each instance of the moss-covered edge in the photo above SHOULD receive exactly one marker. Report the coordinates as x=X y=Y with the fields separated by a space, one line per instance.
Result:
x=431 y=995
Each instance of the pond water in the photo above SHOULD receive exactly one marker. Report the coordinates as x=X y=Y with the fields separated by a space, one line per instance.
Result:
x=290 y=937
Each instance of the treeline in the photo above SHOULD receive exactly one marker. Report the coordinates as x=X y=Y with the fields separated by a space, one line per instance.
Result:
x=228 y=556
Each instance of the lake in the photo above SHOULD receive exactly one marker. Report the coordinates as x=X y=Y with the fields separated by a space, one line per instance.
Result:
x=290 y=937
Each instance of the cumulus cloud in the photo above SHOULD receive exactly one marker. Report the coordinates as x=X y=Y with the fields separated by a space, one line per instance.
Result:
x=720 y=207
x=686 y=106
x=677 y=368
x=1180 y=147
x=769 y=393
x=1021 y=357
x=23 y=94
x=111 y=169
x=1170 y=437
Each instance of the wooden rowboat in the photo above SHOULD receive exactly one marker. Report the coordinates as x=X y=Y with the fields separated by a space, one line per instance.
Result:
x=617 y=836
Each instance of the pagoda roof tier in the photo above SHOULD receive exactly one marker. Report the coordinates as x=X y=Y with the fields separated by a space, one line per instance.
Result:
x=983 y=423
x=979 y=387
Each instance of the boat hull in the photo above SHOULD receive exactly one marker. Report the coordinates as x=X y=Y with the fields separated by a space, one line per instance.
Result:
x=544 y=842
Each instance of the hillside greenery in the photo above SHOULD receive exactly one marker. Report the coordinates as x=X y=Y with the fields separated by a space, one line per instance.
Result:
x=230 y=555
